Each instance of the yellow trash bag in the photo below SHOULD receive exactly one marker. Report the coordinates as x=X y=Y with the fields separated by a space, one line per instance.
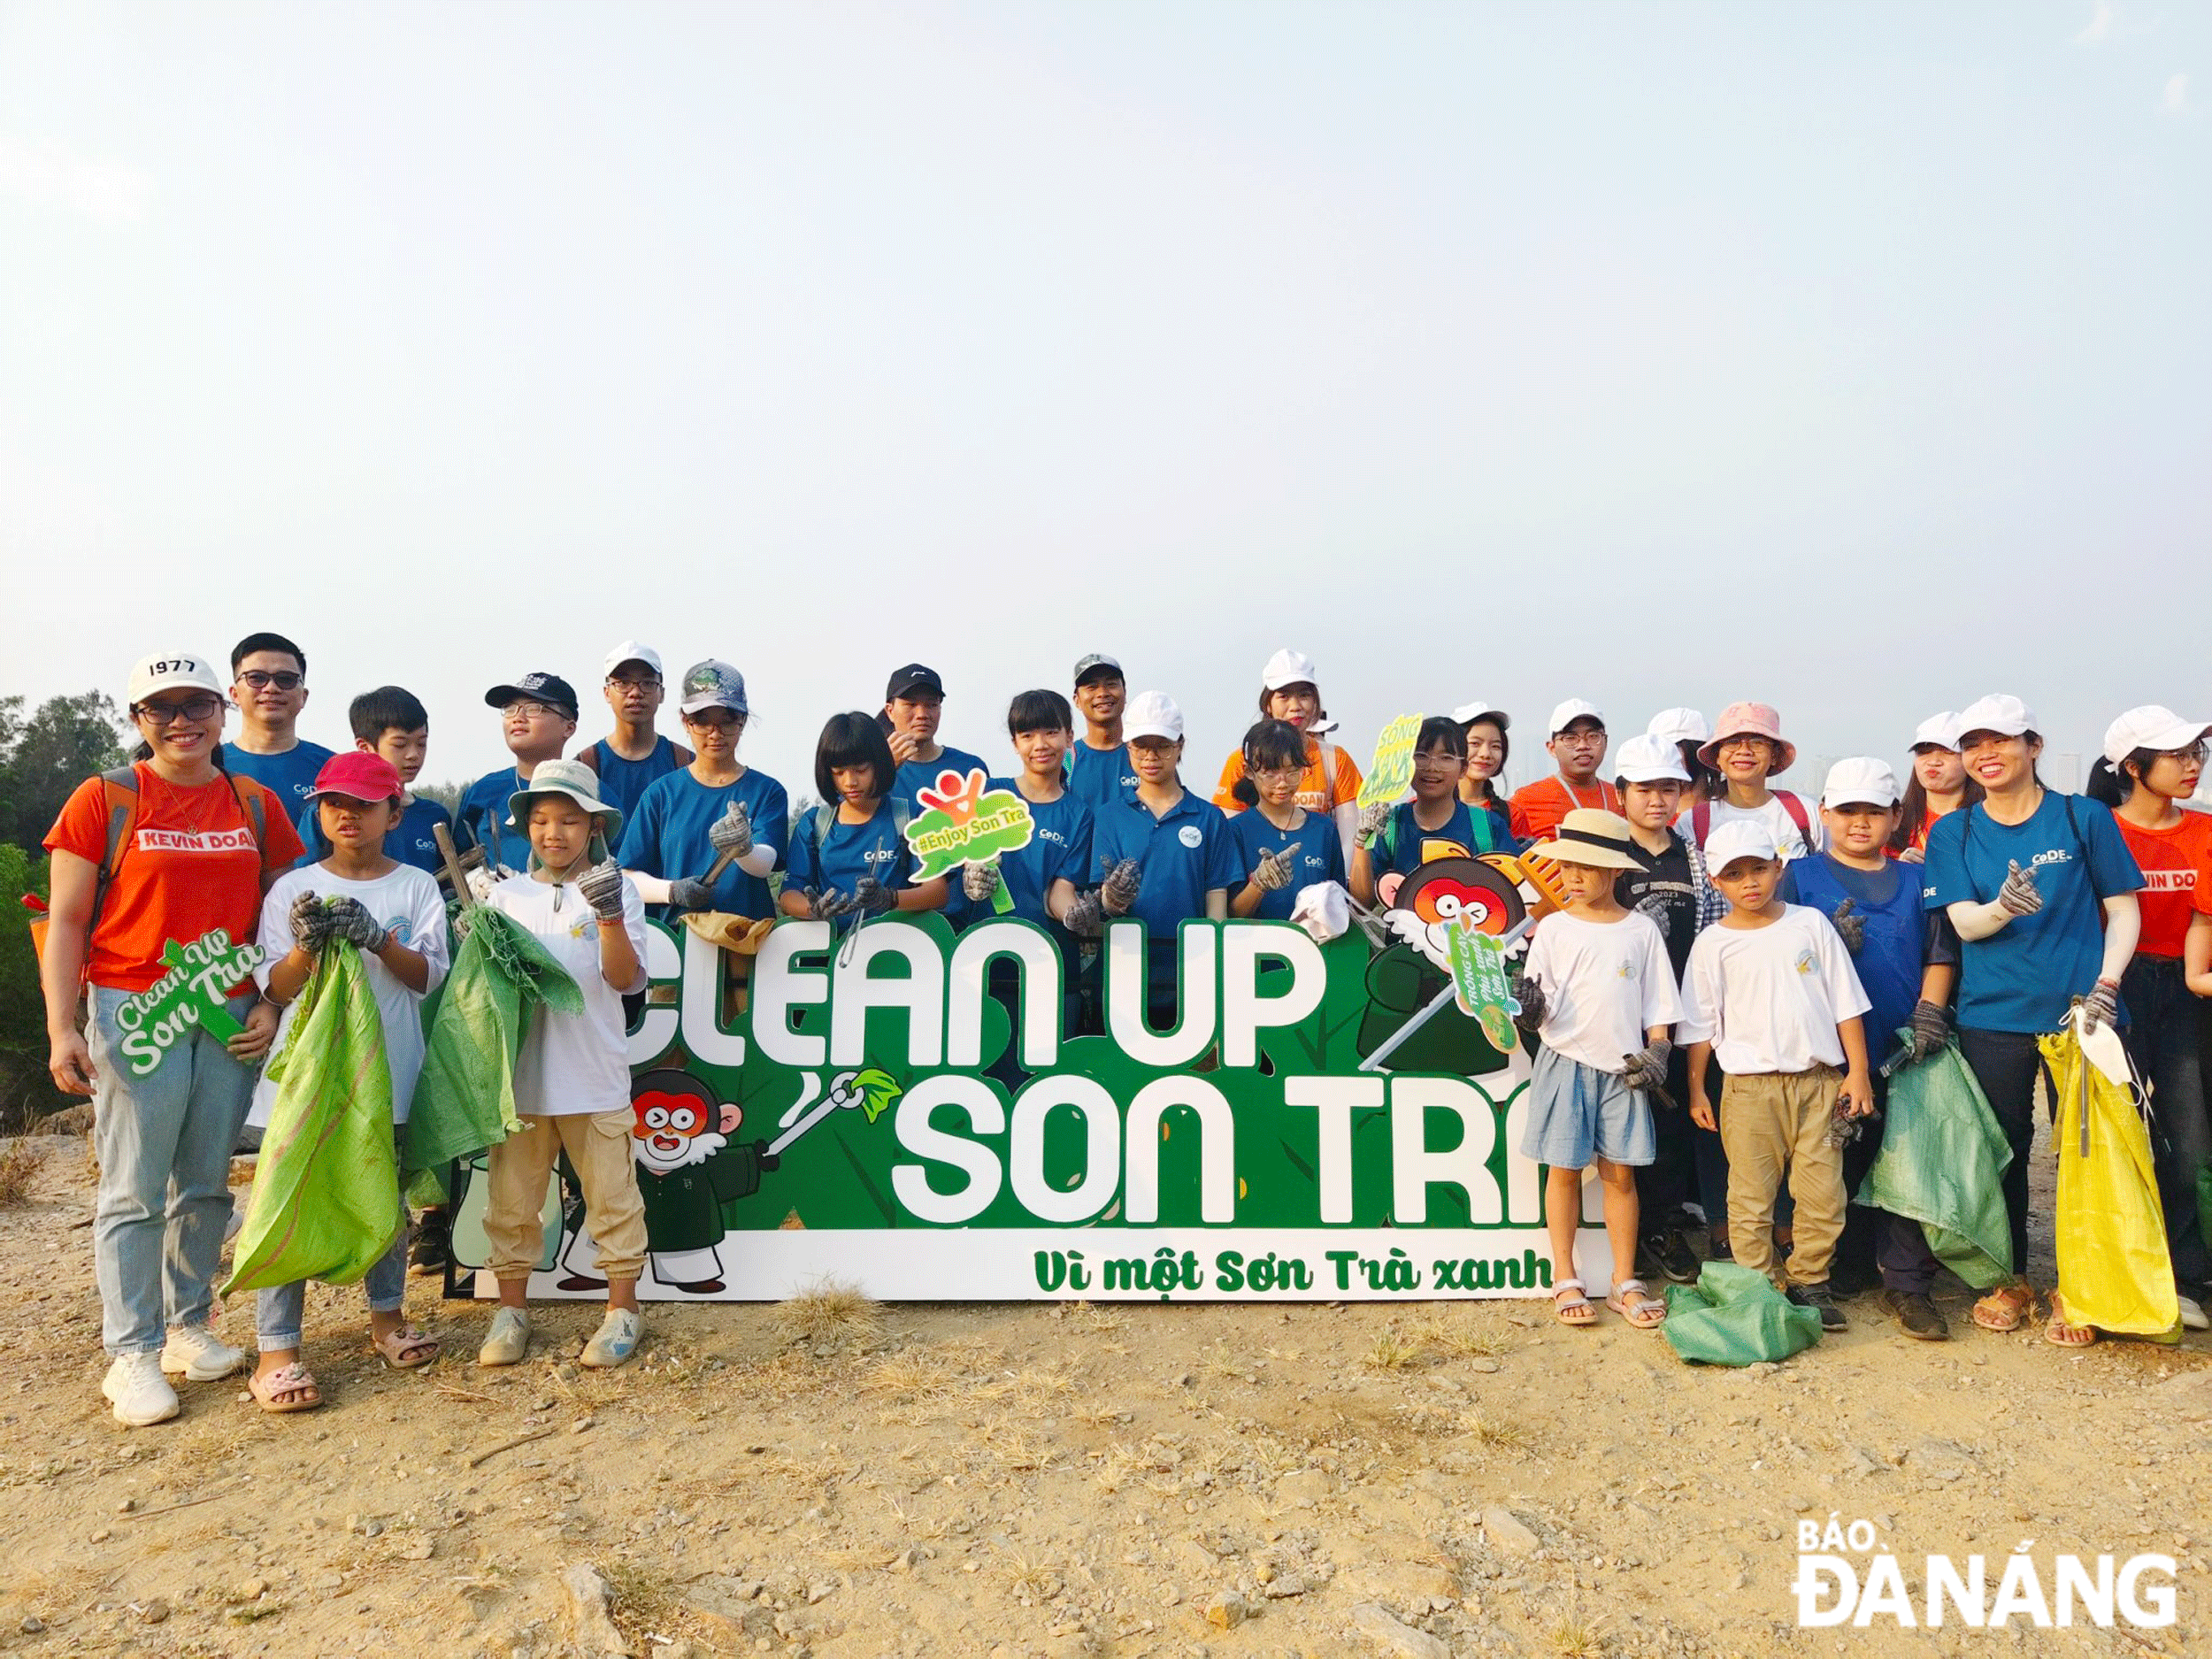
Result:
x=2114 y=1271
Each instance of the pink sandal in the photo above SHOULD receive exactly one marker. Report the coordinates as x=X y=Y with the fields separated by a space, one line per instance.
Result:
x=293 y=1380
x=405 y=1348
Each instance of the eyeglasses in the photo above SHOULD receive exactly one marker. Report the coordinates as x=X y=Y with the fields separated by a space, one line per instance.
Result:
x=282 y=679
x=721 y=719
x=642 y=681
x=537 y=711
x=1277 y=771
x=205 y=706
x=2196 y=751
x=1727 y=743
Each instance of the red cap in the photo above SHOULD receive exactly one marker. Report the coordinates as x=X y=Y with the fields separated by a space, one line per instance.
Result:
x=358 y=774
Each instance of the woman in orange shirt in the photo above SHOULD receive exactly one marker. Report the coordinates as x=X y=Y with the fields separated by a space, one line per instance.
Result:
x=1330 y=782
x=170 y=849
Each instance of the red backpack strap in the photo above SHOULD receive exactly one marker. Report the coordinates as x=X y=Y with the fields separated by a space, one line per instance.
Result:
x=1796 y=807
x=1701 y=822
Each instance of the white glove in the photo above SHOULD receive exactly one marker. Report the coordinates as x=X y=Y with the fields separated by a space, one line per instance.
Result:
x=980 y=882
x=482 y=881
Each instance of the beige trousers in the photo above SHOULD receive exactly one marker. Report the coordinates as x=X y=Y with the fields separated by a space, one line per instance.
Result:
x=598 y=1144
x=1772 y=1122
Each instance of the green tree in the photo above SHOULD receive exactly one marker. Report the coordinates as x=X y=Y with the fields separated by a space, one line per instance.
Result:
x=45 y=756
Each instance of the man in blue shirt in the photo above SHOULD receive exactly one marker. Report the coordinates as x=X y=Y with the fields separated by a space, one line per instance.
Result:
x=634 y=755
x=913 y=702
x=537 y=716
x=1098 y=761
x=269 y=686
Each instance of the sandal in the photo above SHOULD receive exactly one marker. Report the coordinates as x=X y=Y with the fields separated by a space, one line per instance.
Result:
x=405 y=1348
x=2005 y=1307
x=287 y=1388
x=1577 y=1309
x=1641 y=1309
x=2060 y=1334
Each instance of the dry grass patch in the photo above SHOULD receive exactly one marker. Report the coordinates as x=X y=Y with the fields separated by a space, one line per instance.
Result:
x=1394 y=1352
x=828 y=1310
x=1454 y=1335
x=1578 y=1637
x=1496 y=1433
x=19 y=1162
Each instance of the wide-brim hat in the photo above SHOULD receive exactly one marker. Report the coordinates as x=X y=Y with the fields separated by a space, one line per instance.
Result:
x=1750 y=719
x=1591 y=835
x=573 y=779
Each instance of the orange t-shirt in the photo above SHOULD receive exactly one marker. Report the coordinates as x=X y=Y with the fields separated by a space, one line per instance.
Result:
x=187 y=862
x=1537 y=808
x=2176 y=865
x=1316 y=791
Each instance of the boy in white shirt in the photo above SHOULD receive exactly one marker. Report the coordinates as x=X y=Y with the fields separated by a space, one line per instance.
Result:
x=1598 y=989
x=393 y=913
x=1771 y=994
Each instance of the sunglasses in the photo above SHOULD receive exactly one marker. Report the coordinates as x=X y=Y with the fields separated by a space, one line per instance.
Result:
x=206 y=706
x=282 y=679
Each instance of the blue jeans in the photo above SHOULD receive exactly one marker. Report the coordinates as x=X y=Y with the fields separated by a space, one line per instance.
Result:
x=164 y=1141
x=280 y=1310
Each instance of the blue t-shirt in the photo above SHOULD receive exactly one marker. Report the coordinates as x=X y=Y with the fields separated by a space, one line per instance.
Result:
x=413 y=839
x=1317 y=854
x=483 y=815
x=289 y=776
x=1059 y=847
x=1902 y=936
x=1180 y=857
x=666 y=835
x=1398 y=845
x=876 y=848
x=1099 y=777
x=623 y=783
x=2023 y=977
x=918 y=775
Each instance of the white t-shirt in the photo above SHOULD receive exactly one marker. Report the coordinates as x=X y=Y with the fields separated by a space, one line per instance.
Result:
x=406 y=900
x=1769 y=998
x=1606 y=984
x=1774 y=815
x=573 y=1064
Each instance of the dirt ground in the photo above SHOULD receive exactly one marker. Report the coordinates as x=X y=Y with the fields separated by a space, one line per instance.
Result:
x=1060 y=1480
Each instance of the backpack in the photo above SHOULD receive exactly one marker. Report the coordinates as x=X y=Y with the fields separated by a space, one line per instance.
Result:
x=119 y=789
x=825 y=820
x=1701 y=820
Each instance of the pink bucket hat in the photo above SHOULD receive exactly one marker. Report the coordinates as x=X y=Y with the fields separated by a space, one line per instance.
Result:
x=1750 y=719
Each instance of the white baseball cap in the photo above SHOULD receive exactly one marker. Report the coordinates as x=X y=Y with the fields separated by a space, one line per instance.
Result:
x=630 y=651
x=1937 y=730
x=1568 y=712
x=2006 y=716
x=166 y=671
x=1287 y=667
x=2151 y=727
x=1862 y=778
x=1738 y=838
x=1467 y=713
x=1152 y=714
x=1649 y=759
x=1680 y=726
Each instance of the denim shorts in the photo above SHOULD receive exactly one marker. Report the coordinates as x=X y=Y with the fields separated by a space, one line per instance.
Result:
x=1577 y=1113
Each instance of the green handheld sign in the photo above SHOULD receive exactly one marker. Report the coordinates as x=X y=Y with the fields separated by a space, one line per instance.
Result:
x=191 y=996
x=1479 y=985
x=1390 y=774
x=962 y=823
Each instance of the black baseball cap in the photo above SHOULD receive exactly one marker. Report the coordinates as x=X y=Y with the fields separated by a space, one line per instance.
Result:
x=542 y=687
x=913 y=678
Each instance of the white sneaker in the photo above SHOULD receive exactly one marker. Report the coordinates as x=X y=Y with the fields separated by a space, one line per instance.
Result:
x=615 y=1340
x=140 y=1392
x=196 y=1354
x=2192 y=1315
x=508 y=1339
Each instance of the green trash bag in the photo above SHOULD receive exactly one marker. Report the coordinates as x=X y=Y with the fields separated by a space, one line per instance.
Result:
x=465 y=1100
x=1942 y=1164
x=325 y=1190
x=1733 y=1316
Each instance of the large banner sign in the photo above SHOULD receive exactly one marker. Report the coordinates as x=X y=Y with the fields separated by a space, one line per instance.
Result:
x=909 y=1110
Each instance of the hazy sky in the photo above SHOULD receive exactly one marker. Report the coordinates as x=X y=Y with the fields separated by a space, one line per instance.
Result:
x=1857 y=358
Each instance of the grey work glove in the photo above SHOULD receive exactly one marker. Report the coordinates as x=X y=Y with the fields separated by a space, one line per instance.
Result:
x=980 y=882
x=2018 y=896
x=1850 y=924
x=2101 y=1006
x=1930 y=1030
x=1271 y=874
x=601 y=889
x=1371 y=820
x=870 y=898
x=688 y=893
x=1085 y=918
x=1119 y=891
x=1658 y=912
x=826 y=904
x=1648 y=1070
x=733 y=831
x=1530 y=995
x=350 y=920
x=311 y=924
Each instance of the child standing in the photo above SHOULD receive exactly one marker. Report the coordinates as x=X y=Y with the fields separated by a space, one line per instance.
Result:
x=1907 y=961
x=1396 y=838
x=849 y=854
x=1749 y=749
x=1282 y=846
x=572 y=1072
x=1771 y=994
x=392 y=913
x=537 y=716
x=633 y=756
x=391 y=722
x=1329 y=782
x=1598 y=990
